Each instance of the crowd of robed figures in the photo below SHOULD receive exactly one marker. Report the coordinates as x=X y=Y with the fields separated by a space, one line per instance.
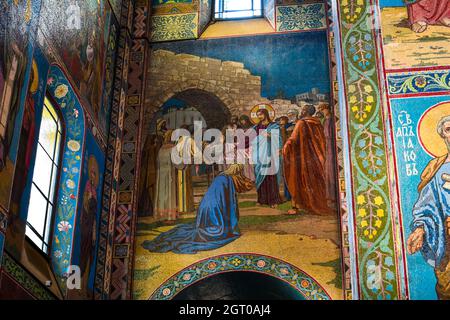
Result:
x=305 y=176
x=305 y=170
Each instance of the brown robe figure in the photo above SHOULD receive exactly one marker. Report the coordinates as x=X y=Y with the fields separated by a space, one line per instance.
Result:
x=88 y=225
x=330 y=168
x=148 y=175
x=422 y=13
x=304 y=165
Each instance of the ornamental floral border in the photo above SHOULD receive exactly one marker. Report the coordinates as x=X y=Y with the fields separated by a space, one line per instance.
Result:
x=68 y=190
x=429 y=81
x=301 y=17
x=174 y=27
x=307 y=286
x=368 y=151
x=25 y=280
x=177 y=7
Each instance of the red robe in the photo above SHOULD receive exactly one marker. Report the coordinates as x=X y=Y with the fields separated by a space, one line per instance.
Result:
x=330 y=169
x=304 y=166
x=429 y=11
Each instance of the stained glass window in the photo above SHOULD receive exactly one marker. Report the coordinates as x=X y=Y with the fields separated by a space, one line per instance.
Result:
x=235 y=9
x=43 y=188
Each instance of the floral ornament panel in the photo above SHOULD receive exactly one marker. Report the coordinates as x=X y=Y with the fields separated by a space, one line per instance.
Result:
x=73 y=117
x=434 y=81
x=305 y=284
x=174 y=27
x=372 y=209
x=301 y=17
x=25 y=279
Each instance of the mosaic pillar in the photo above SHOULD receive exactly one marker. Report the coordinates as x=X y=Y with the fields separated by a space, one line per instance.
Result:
x=114 y=269
x=373 y=255
x=104 y=257
x=340 y=168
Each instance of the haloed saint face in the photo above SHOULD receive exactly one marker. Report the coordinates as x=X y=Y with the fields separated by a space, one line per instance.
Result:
x=261 y=116
x=446 y=133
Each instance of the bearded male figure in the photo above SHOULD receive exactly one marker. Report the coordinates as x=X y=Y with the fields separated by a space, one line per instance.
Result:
x=431 y=223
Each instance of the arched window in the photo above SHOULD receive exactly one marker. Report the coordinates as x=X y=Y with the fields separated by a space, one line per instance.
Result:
x=45 y=176
x=235 y=9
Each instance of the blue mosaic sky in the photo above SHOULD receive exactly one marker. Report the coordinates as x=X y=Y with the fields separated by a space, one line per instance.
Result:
x=289 y=63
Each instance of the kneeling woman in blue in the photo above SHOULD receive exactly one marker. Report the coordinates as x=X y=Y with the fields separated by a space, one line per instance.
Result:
x=217 y=218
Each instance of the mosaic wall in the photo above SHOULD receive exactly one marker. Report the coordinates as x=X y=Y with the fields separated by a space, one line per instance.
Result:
x=70 y=180
x=188 y=19
x=18 y=26
x=236 y=75
x=387 y=125
x=46 y=71
x=85 y=244
x=177 y=20
x=415 y=35
x=173 y=7
x=372 y=240
x=307 y=286
x=82 y=49
x=300 y=17
x=116 y=243
x=174 y=27
x=206 y=14
x=25 y=285
x=116 y=6
x=415 y=43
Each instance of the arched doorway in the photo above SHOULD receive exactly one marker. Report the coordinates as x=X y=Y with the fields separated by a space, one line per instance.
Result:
x=214 y=111
x=225 y=271
x=240 y=285
x=181 y=110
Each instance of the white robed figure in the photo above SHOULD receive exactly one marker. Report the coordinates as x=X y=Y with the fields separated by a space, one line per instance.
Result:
x=166 y=191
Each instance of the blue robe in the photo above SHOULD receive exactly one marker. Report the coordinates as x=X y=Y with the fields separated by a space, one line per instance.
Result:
x=265 y=157
x=430 y=212
x=216 y=224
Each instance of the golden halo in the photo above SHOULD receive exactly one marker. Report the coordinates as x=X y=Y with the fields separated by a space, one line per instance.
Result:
x=429 y=138
x=34 y=77
x=255 y=109
x=93 y=165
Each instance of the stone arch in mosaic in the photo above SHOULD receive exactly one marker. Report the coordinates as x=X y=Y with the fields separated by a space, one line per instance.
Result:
x=175 y=74
x=216 y=108
x=306 y=285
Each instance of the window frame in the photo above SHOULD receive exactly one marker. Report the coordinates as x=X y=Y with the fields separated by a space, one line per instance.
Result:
x=222 y=5
x=62 y=129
